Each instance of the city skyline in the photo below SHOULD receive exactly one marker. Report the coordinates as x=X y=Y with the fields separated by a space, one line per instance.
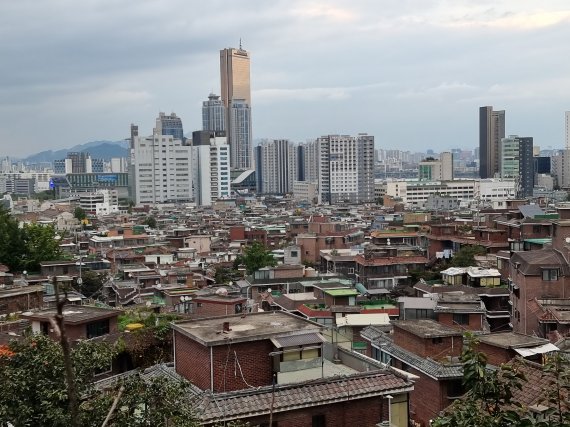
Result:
x=349 y=68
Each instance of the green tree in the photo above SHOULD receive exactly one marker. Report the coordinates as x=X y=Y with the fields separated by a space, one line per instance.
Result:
x=224 y=275
x=255 y=256
x=79 y=213
x=34 y=392
x=150 y=221
x=12 y=245
x=92 y=283
x=40 y=245
x=489 y=400
x=465 y=257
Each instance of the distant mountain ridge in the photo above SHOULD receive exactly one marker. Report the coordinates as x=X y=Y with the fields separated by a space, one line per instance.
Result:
x=97 y=149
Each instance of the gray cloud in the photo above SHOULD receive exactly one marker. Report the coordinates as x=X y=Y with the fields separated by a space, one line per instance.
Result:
x=411 y=72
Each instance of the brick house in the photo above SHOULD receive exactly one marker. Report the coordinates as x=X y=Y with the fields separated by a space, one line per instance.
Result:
x=429 y=351
x=463 y=311
x=542 y=274
x=383 y=267
x=503 y=347
x=81 y=322
x=248 y=367
x=17 y=299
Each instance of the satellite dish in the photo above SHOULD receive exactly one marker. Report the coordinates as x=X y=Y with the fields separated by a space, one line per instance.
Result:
x=269 y=290
x=182 y=298
x=79 y=281
x=148 y=303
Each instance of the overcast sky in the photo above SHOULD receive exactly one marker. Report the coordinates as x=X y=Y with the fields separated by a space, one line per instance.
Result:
x=411 y=72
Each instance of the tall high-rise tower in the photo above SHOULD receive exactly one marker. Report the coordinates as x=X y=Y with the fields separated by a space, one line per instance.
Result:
x=517 y=162
x=213 y=114
x=235 y=76
x=276 y=166
x=491 y=131
x=567 y=129
x=236 y=98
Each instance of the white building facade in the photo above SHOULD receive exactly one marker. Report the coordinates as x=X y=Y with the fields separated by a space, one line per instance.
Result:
x=346 y=169
x=416 y=193
x=211 y=171
x=161 y=170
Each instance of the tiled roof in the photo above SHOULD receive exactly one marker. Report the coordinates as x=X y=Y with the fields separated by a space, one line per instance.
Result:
x=430 y=367
x=532 y=262
x=219 y=407
x=256 y=402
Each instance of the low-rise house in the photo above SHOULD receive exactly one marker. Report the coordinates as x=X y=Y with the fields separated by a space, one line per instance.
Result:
x=429 y=351
x=283 y=367
x=81 y=322
x=15 y=299
x=503 y=347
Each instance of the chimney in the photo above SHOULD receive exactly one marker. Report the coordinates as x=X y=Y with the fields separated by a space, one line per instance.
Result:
x=226 y=327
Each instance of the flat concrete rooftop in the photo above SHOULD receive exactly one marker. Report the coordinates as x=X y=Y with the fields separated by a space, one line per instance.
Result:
x=426 y=328
x=251 y=327
x=511 y=340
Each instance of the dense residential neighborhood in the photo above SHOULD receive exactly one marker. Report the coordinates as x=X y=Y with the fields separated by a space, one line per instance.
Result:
x=349 y=237
x=303 y=314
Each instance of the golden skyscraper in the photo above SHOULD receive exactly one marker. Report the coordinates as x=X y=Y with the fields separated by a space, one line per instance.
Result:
x=236 y=98
x=234 y=73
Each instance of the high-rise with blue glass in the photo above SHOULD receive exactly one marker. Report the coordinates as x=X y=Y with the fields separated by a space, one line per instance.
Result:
x=169 y=125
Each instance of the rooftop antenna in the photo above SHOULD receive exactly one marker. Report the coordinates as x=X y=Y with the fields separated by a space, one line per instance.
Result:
x=240 y=44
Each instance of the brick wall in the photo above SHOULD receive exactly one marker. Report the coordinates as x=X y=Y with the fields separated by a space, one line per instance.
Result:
x=79 y=331
x=495 y=355
x=23 y=302
x=288 y=273
x=428 y=347
x=237 y=233
x=212 y=309
x=254 y=360
x=362 y=413
x=422 y=407
x=192 y=361
x=534 y=287
x=475 y=321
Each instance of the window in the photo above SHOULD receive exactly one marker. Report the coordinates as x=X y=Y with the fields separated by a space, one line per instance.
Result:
x=96 y=329
x=422 y=313
x=294 y=254
x=461 y=318
x=319 y=421
x=550 y=274
x=437 y=340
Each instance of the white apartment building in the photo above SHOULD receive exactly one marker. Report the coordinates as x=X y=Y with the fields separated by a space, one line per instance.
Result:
x=346 y=168
x=102 y=202
x=211 y=170
x=437 y=170
x=305 y=191
x=415 y=193
x=161 y=170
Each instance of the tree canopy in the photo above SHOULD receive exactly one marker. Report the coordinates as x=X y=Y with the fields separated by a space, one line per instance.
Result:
x=34 y=392
x=24 y=248
x=255 y=256
x=79 y=213
x=490 y=402
x=465 y=257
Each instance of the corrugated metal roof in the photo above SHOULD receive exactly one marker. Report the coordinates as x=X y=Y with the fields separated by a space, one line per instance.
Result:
x=297 y=340
x=530 y=211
